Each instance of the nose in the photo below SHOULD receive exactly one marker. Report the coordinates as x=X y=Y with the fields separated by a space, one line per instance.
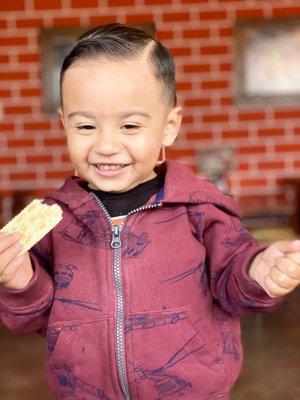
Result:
x=106 y=143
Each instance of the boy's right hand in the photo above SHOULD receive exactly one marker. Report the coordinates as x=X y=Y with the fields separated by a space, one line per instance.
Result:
x=15 y=269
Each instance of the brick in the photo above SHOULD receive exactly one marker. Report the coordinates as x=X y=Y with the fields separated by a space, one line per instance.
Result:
x=120 y=3
x=271 y=165
x=239 y=133
x=14 y=143
x=255 y=182
x=226 y=101
x=47 y=4
x=84 y=3
x=252 y=150
x=17 y=110
x=13 y=41
x=187 y=119
x=194 y=1
x=180 y=51
x=212 y=15
x=15 y=5
x=4 y=58
x=5 y=93
x=61 y=141
x=250 y=13
x=57 y=174
x=36 y=126
x=178 y=153
x=271 y=132
x=164 y=35
x=215 y=118
x=199 y=135
x=243 y=166
x=225 y=32
x=13 y=75
x=214 y=50
x=215 y=84
x=281 y=12
x=139 y=18
x=196 y=68
x=183 y=86
x=71 y=21
x=29 y=22
x=3 y=24
x=102 y=19
x=18 y=176
x=33 y=92
x=6 y=127
x=176 y=17
x=195 y=33
x=65 y=158
x=32 y=57
x=251 y=116
x=157 y=2
x=8 y=160
x=225 y=67
x=286 y=114
x=288 y=148
x=37 y=159
x=198 y=102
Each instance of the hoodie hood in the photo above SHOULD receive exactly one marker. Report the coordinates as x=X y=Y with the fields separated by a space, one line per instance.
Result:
x=181 y=186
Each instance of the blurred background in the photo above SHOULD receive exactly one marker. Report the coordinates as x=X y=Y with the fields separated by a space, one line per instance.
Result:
x=238 y=80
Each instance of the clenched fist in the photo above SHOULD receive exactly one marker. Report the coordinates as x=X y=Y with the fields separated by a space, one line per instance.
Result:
x=277 y=268
x=15 y=268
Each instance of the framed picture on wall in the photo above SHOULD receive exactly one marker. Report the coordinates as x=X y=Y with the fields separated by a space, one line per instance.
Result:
x=55 y=44
x=267 y=62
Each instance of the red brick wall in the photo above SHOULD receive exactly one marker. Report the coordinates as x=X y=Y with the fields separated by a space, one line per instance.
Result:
x=200 y=36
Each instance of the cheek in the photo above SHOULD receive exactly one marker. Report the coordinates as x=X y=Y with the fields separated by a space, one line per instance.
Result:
x=78 y=148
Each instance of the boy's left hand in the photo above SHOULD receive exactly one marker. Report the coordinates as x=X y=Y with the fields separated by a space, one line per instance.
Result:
x=277 y=268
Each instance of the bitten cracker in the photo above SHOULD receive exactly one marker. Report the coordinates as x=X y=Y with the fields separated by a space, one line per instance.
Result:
x=34 y=222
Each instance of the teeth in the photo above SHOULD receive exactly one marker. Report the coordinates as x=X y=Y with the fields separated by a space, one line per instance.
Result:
x=107 y=167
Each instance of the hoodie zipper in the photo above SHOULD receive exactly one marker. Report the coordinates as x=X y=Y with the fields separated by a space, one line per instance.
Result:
x=116 y=244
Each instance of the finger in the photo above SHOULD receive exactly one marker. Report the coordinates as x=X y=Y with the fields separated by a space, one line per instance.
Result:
x=279 y=249
x=288 y=267
x=273 y=289
x=294 y=256
x=12 y=268
x=8 y=239
x=9 y=254
x=282 y=279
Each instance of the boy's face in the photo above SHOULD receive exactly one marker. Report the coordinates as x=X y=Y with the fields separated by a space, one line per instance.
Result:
x=116 y=120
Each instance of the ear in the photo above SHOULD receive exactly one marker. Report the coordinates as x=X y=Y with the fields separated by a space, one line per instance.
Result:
x=61 y=115
x=172 y=126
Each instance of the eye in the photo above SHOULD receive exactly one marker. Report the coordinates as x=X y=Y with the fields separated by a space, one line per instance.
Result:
x=130 y=127
x=85 y=127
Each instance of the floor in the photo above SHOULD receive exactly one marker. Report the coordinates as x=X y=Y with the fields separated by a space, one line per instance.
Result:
x=271 y=369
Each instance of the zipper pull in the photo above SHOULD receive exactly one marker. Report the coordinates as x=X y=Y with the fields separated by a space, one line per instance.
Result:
x=116 y=237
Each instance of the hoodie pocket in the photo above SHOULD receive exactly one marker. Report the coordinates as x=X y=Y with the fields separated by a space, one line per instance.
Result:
x=172 y=357
x=78 y=362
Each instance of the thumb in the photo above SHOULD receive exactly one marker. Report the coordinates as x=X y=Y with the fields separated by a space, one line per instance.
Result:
x=279 y=249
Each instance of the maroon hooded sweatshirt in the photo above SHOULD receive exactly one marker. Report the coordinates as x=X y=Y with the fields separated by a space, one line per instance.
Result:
x=147 y=311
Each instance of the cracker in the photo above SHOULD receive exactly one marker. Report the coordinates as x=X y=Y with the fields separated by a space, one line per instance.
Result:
x=34 y=222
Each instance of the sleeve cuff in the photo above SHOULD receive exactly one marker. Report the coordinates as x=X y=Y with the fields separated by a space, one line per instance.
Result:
x=38 y=290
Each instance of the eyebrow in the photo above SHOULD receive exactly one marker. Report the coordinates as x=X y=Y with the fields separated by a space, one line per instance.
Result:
x=123 y=115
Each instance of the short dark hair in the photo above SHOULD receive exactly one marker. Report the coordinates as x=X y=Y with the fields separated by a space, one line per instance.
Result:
x=118 y=41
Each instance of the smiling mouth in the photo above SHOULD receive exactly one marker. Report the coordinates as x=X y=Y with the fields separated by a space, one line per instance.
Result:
x=109 y=167
x=110 y=170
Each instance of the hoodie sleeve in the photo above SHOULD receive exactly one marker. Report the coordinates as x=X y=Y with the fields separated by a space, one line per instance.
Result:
x=27 y=310
x=230 y=248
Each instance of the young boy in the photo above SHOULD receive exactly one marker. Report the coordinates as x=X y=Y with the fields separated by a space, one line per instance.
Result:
x=139 y=288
